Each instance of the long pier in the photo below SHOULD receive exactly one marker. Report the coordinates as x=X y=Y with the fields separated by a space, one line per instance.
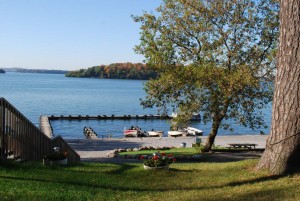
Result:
x=45 y=126
x=109 y=117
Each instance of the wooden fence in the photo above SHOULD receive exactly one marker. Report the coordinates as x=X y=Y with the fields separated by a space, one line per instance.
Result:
x=20 y=137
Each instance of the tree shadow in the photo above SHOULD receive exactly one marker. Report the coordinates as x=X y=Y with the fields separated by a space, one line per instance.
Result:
x=254 y=181
x=119 y=169
x=223 y=157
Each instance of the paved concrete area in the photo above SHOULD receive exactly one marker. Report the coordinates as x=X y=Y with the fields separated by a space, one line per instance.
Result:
x=97 y=149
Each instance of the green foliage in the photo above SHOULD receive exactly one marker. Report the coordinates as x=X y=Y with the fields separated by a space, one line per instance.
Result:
x=116 y=71
x=199 y=147
x=217 y=57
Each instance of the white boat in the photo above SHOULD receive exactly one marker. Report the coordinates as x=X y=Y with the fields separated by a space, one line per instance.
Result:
x=155 y=133
x=194 y=131
x=177 y=133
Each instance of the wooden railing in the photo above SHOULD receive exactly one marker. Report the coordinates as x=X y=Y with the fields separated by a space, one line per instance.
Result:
x=20 y=137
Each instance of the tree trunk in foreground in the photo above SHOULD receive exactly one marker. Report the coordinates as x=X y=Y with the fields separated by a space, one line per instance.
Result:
x=282 y=154
x=211 y=137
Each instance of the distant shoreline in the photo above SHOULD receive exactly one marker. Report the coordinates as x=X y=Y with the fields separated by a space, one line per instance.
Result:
x=44 y=71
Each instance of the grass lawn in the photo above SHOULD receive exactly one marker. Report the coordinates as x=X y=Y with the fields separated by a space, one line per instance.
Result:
x=174 y=151
x=129 y=181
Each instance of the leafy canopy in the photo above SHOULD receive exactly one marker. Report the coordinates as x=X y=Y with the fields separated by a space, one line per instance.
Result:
x=211 y=56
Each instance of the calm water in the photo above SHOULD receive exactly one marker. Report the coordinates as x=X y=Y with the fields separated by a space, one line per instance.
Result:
x=51 y=94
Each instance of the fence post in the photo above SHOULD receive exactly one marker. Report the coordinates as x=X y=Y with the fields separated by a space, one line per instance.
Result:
x=2 y=128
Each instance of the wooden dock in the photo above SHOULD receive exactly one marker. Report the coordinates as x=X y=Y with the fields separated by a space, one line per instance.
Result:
x=108 y=117
x=45 y=126
x=89 y=133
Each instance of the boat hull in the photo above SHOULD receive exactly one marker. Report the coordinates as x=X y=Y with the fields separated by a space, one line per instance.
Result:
x=155 y=133
x=130 y=133
x=177 y=133
x=194 y=131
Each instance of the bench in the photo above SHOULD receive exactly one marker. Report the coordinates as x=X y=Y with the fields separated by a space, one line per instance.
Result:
x=242 y=145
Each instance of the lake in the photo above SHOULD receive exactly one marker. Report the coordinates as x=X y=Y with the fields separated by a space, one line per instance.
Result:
x=35 y=94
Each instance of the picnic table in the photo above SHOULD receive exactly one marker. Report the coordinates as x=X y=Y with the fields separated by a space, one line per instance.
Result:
x=242 y=145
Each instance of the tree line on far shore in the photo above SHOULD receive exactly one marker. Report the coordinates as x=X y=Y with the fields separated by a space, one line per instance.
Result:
x=137 y=71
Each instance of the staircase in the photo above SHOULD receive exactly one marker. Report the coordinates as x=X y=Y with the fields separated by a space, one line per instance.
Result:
x=21 y=139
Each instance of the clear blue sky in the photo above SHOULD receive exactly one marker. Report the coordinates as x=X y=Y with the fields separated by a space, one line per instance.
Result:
x=69 y=34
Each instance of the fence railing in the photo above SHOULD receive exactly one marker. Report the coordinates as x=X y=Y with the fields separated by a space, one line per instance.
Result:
x=20 y=137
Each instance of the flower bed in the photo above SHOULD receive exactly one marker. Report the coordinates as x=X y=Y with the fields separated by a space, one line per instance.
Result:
x=158 y=161
x=56 y=157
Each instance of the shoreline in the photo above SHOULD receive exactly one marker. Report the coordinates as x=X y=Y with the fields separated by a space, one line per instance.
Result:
x=97 y=149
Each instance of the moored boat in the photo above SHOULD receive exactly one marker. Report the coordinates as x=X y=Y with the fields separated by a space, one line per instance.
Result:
x=177 y=133
x=135 y=131
x=194 y=131
x=155 y=133
x=130 y=133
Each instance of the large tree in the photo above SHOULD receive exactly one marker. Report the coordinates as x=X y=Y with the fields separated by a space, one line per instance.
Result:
x=282 y=154
x=211 y=56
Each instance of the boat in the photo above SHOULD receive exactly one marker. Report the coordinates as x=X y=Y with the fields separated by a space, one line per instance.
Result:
x=177 y=133
x=135 y=131
x=155 y=133
x=130 y=133
x=194 y=131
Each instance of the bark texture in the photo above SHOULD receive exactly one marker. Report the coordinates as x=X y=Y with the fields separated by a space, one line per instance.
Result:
x=211 y=137
x=282 y=154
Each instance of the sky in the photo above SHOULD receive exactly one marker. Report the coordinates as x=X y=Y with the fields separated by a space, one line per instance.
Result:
x=70 y=34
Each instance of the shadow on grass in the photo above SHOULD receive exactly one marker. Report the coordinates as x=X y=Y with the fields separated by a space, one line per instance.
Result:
x=222 y=157
x=177 y=170
x=122 y=168
x=25 y=165
x=99 y=145
x=261 y=194
x=113 y=186
x=109 y=186
x=278 y=193
x=254 y=181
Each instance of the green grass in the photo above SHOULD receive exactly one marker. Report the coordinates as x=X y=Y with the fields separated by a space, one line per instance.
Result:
x=184 y=181
x=174 y=151
x=187 y=151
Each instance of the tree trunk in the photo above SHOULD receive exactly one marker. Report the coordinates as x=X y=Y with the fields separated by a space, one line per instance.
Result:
x=211 y=137
x=282 y=154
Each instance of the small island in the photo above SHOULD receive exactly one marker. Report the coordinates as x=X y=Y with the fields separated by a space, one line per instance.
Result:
x=2 y=71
